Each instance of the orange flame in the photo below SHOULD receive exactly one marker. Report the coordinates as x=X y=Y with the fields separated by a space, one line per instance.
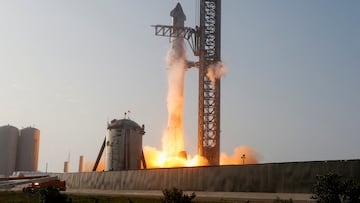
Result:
x=159 y=159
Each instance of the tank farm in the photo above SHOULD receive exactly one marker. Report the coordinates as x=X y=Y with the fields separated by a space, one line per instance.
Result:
x=20 y=149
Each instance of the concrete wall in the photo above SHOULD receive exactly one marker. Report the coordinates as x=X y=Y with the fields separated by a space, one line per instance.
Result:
x=275 y=177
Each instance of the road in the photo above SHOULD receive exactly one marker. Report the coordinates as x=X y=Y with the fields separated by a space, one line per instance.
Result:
x=204 y=196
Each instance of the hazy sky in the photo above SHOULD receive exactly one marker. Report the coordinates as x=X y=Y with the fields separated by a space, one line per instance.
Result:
x=291 y=91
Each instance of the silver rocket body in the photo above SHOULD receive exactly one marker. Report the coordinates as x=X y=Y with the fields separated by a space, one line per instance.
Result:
x=178 y=21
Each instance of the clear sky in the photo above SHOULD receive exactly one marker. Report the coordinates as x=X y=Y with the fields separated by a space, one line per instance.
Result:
x=292 y=90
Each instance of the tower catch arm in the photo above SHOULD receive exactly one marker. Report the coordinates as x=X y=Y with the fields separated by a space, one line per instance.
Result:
x=190 y=34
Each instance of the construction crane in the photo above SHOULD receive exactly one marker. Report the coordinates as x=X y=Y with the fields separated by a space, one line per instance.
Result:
x=205 y=42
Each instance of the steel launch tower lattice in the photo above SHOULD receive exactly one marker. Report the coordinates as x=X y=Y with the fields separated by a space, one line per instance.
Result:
x=205 y=42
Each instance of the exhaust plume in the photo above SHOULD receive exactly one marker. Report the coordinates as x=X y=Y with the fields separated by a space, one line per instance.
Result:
x=173 y=154
x=216 y=71
x=173 y=137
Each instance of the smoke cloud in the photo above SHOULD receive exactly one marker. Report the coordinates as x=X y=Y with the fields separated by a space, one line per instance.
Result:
x=216 y=71
x=242 y=155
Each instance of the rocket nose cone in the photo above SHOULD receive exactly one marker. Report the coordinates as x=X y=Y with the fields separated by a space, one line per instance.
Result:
x=178 y=12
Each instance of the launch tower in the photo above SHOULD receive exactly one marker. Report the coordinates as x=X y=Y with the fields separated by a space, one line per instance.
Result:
x=205 y=43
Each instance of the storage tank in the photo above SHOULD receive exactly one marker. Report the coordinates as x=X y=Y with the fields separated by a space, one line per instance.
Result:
x=8 y=144
x=28 y=150
x=123 y=145
x=82 y=164
x=66 y=166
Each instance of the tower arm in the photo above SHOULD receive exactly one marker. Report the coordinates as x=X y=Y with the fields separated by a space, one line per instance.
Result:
x=190 y=34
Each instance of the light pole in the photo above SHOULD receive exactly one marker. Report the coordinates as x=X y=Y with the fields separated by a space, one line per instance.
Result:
x=243 y=157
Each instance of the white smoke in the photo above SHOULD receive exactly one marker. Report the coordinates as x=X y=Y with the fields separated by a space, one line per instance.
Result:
x=216 y=71
x=173 y=139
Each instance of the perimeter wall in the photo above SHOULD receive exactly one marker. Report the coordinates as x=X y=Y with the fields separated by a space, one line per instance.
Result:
x=297 y=177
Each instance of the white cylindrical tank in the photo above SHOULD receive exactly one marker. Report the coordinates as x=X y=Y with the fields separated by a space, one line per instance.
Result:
x=81 y=163
x=8 y=144
x=123 y=145
x=28 y=150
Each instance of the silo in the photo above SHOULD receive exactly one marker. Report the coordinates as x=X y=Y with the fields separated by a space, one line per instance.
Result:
x=28 y=150
x=8 y=144
x=123 y=145
x=82 y=164
x=66 y=166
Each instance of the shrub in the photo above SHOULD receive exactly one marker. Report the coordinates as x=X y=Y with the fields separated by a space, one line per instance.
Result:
x=51 y=194
x=351 y=191
x=334 y=188
x=327 y=188
x=175 y=195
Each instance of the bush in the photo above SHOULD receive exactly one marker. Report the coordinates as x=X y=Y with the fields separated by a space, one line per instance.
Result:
x=51 y=194
x=351 y=191
x=334 y=188
x=175 y=195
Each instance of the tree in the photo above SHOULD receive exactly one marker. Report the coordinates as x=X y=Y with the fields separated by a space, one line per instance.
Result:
x=51 y=194
x=334 y=188
x=351 y=191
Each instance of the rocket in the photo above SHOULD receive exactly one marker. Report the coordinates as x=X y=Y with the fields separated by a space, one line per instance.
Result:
x=176 y=64
x=178 y=21
x=178 y=16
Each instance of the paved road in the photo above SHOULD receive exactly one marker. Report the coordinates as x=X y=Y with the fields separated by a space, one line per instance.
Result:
x=206 y=196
